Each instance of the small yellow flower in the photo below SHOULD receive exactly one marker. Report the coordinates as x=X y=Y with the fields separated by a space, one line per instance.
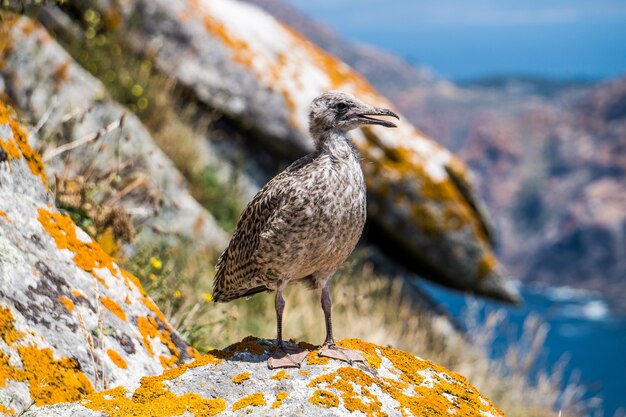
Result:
x=156 y=264
x=152 y=277
x=207 y=297
x=178 y=294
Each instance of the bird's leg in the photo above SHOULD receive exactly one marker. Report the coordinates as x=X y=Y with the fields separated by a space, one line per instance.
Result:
x=330 y=349
x=283 y=356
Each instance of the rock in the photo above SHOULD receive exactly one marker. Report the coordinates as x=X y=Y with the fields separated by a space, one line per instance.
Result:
x=71 y=321
x=261 y=76
x=46 y=84
x=236 y=381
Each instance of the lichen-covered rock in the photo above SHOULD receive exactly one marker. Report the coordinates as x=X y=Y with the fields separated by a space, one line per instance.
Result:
x=47 y=85
x=71 y=321
x=237 y=381
x=262 y=75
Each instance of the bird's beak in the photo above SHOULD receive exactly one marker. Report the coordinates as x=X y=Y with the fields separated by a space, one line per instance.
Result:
x=365 y=118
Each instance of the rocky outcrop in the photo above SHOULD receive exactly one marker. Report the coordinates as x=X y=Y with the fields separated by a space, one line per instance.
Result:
x=72 y=322
x=89 y=138
x=261 y=76
x=236 y=381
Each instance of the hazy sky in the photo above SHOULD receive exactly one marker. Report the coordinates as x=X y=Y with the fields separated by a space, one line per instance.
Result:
x=472 y=38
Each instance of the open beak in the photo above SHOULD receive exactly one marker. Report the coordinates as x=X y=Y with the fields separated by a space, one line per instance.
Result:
x=365 y=117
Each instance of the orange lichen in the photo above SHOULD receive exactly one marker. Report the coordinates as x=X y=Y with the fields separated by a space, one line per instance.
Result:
x=61 y=72
x=304 y=372
x=152 y=399
x=6 y=411
x=282 y=374
x=239 y=378
x=117 y=359
x=78 y=293
x=313 y=358
x=50 y=380
x=242 y=53
x=113 y=307
x=324 y=399
x=252 y=400
x=19 y=147
x=4 y=215
x=486 y=265
x=148 y=328
x=369 y=350
x=354 y=387
x=87 y=255
x=279 y=399
x=69 y=304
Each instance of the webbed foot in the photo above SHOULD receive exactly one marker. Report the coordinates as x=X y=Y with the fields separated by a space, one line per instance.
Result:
x=335 y=352
x=286 y=357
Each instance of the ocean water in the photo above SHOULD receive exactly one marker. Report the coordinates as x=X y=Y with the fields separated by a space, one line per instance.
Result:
x=581 y=327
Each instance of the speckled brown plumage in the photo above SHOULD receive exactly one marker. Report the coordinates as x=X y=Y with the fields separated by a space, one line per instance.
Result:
x=305 y=221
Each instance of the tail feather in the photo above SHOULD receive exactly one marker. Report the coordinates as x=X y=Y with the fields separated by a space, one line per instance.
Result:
x=226 y=296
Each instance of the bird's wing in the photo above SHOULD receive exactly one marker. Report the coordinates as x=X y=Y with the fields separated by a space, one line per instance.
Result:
x=237 y=271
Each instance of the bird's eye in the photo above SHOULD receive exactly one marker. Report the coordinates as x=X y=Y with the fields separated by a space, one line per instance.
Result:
x=341 y=106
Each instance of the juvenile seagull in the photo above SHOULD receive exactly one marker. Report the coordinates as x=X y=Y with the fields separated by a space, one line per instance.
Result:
x=305 y=222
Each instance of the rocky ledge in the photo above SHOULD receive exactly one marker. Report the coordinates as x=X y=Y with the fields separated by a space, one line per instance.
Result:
x=236 y=381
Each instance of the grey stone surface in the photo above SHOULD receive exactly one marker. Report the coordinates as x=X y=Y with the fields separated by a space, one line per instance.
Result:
x=71 y=321
x=237 y=382
x=48 y=86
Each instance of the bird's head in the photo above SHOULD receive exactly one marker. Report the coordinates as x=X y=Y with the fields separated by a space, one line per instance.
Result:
x=335 y=110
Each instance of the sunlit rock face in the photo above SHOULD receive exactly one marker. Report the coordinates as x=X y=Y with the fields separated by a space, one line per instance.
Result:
x=129 y=171
x=236 y=381
x=261 y=76
x=71 y=320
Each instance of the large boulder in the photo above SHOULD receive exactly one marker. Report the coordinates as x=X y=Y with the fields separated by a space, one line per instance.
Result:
x=72 y=322
x=261 y=76
x=236 y=381
x=88 y=137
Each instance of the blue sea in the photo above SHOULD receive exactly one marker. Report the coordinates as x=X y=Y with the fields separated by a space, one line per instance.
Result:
x=581 y=327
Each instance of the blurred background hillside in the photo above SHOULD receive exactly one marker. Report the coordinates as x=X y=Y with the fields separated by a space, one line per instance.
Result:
x=159 y=120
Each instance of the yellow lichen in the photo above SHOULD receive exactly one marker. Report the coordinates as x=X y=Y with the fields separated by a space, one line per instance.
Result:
x=354 y=387
x=89 y=256
x=113 y=307
x=239 y=378
x=6 y=411
x=279 y=399
x=117 y=359
x=78 y=293
x=18 y=146
x=253 y=400
x=282 y=374
x=324 y=399
x=487 y=264
x=50 y=380
x=69 y=304
x=152 y=398
x=313 y=358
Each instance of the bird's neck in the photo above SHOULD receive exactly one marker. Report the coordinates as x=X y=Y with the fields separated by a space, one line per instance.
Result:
x=335 y=143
